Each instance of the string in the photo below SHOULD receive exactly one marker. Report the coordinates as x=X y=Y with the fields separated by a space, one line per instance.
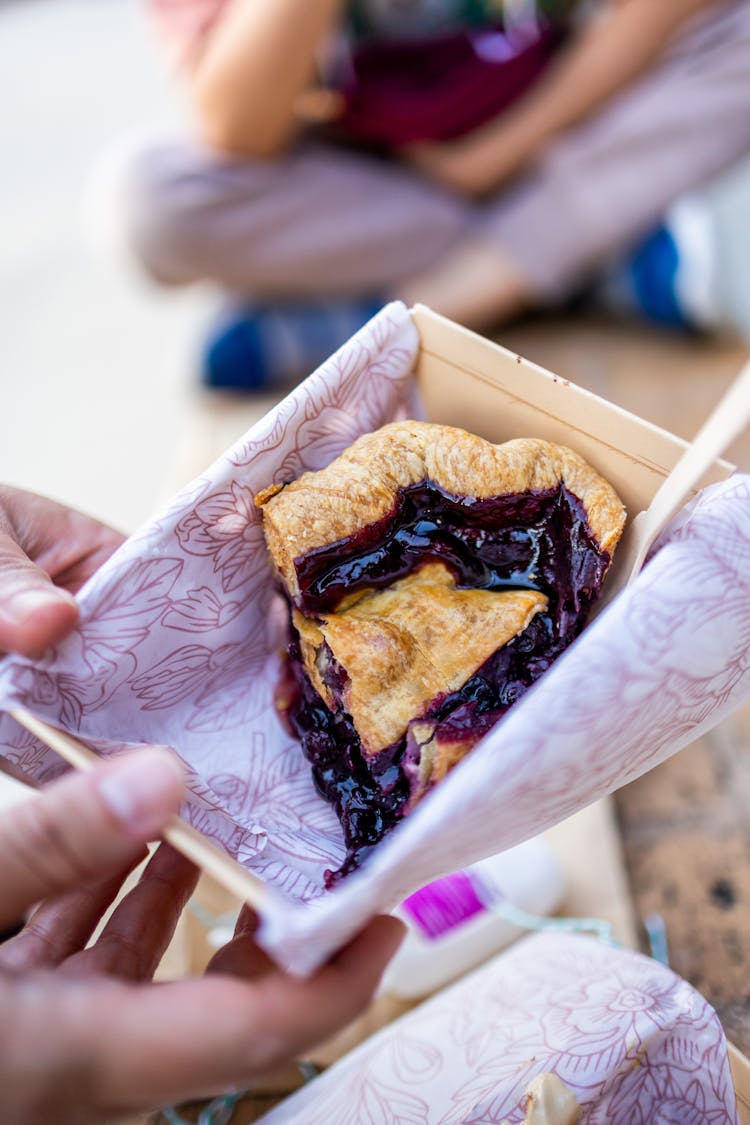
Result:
x=654 y=925
x=220 y=1110
x=656 y=932
x=538 y=923
x=216 y=1112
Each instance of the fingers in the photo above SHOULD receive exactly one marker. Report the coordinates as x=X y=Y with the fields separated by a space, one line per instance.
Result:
x=47 y=551
x=194 y=1038
x=84 y=826
x=134 y=940
x=34 y=613
x=63 y=925
x=241 y=957
x=295 y=1014
x=247 y=921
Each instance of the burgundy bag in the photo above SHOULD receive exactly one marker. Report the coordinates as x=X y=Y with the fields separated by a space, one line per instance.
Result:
x=437 y=89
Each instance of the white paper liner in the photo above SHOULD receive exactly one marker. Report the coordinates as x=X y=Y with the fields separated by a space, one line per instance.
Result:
x=633 y=1042
x=178 y=645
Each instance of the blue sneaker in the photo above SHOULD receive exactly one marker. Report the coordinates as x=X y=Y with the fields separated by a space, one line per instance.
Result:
x=266 y=347
x=670 y=278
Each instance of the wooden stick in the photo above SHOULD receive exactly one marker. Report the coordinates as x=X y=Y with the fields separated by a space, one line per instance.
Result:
x=725 y=423
x=182 y=836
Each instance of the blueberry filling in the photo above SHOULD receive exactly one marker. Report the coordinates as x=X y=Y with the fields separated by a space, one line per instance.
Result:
x=536 y=540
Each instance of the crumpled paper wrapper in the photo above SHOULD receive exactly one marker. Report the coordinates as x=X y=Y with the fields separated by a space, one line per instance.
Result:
x=633 y=1042
x=179 y=640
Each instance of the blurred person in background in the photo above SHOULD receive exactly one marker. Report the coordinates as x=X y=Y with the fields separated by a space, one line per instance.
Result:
x=480 y=156
x=86 y=1034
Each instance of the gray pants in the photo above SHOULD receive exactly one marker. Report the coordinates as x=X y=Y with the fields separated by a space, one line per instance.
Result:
x=323 y=220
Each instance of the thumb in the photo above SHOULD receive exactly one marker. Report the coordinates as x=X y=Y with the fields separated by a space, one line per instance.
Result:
x=34 y=613
x=84 y=826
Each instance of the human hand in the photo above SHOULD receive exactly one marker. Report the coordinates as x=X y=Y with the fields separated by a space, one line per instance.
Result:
x=47 y=552
x=479 y=163
x=87 y=1035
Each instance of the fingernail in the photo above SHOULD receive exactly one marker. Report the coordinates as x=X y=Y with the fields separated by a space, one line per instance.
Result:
x=143 y=790
x=26 y=602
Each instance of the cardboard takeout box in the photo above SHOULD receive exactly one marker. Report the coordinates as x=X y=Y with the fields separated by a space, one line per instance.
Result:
x=177 y=643
x=468 y=381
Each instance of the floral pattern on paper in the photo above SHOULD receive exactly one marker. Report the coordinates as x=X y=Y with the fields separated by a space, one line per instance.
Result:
x=225 y=527
x=177 y=637
x=102 y=651
x=178 y=640
x=200 y=611
x=266 y=437
x=634 y=1043
x=630 y=1012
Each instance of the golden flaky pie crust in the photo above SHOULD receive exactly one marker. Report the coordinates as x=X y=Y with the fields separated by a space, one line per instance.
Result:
x=360 y=486
x=403 y=646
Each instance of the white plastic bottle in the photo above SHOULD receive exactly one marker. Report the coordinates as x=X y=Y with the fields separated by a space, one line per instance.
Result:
x=451 y=926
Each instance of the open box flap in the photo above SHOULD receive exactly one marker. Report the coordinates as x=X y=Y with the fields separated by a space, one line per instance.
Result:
x=178 y=644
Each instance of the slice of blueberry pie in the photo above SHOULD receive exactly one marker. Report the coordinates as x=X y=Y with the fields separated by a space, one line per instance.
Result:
x=431 y=577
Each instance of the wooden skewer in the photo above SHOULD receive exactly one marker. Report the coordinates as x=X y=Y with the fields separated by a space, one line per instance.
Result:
x=726 y=422
x=182 y=836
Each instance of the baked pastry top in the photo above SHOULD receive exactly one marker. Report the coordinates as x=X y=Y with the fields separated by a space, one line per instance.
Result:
x=402 y=647
x=361 y=487
x=431 y=577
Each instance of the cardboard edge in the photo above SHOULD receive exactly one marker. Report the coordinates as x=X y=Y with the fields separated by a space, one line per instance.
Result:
x=474 y=354
x=739 y=1066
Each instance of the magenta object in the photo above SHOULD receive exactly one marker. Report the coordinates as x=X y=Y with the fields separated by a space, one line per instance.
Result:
x=402 y=92
x=445 y=904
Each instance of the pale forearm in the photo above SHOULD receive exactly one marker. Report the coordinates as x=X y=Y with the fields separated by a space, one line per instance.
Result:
x=256 y=63
x=608 y=55
x=604 y=59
